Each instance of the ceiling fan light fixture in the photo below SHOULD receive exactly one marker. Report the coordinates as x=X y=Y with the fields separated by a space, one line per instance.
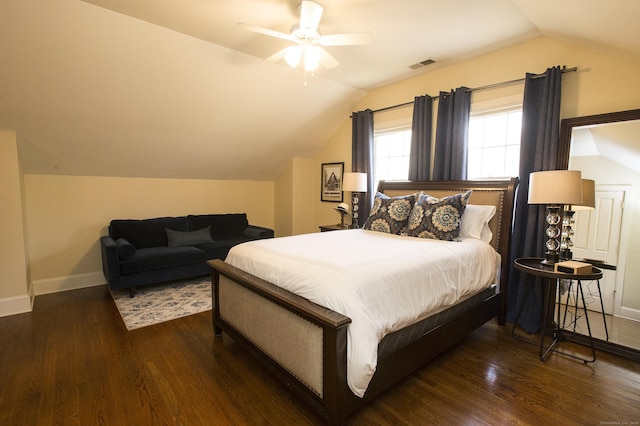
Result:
x=311 y=58
x=308 y=41
x=293 y=55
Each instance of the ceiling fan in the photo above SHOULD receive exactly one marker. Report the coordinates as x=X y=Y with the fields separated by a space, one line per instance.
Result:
x=308 y=41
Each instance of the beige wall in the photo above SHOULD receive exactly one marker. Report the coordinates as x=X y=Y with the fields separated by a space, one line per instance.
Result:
x=66 y=215
x=284 y=201
x=14 y=295
x=337 y=150
x=303 y=199
x=294 y=200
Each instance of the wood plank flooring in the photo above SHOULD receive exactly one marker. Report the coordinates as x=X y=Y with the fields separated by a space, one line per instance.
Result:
x=72 y=361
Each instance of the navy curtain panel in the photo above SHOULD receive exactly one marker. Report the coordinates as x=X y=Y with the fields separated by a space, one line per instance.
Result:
x=538 y=151
x=420 y=153
x=452 y=133
x=362 y=157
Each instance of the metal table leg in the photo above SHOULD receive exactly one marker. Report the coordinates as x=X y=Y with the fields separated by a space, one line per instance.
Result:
x=604 y=316
x=586 y=317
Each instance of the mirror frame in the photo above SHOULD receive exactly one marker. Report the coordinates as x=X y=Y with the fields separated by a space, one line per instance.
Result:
x=567 y=125
x=564 y=146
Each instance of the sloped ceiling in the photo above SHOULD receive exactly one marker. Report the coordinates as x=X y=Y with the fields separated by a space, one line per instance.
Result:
x=165 y=88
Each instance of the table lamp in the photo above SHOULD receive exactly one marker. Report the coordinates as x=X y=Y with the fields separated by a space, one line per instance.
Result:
x=354 y=183
x=555 y=189
x=568 y=221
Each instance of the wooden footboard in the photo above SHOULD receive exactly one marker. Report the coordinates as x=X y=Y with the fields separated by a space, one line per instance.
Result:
x=302 y=343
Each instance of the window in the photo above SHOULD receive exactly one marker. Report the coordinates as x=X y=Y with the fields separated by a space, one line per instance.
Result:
x=494 y=144
x=391 y=155
x=493 y=147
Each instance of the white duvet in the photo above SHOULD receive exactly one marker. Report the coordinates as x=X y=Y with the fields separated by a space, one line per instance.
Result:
x=382 y=282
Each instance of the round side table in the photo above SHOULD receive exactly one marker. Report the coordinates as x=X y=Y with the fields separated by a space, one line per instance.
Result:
x=551 y=279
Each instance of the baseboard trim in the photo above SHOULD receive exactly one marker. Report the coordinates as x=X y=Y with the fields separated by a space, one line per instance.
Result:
x=629 y=313
x=16 y=305
x=70 y=282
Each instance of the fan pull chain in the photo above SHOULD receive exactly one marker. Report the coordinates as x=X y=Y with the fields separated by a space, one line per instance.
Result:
x=306 y=83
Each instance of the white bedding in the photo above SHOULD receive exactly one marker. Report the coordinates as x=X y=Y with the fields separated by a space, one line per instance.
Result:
x=382 y=282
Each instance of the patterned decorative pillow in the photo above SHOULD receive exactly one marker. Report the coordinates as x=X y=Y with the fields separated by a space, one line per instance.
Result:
x=390 y=215
x=437 y=218
x=182 y=239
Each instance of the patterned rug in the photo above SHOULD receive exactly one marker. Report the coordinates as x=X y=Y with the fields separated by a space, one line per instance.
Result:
x=157 y=303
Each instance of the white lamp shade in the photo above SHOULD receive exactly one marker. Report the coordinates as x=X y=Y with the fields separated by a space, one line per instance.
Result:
x=588 y=196
x=557 y=187
x=311 y=58
x=354 y=182
x=293 y=55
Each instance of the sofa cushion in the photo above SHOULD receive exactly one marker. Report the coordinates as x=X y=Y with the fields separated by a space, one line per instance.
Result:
x=125 y=248
x=258 y=232
x=220 y=249
x=161 y=257
x=147 y=233
x=223 y=226
x=189 y=238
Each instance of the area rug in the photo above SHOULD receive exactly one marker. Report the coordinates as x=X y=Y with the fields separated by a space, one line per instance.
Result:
x=158 y=303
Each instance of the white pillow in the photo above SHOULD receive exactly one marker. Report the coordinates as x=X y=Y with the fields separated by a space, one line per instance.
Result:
x=475 y=222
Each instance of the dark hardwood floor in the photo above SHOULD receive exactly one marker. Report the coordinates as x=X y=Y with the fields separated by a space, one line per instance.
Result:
x=72 y=361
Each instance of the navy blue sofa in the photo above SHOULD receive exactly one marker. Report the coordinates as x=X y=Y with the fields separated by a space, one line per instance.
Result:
x=148 y=251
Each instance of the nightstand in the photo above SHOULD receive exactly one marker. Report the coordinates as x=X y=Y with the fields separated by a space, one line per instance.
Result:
x=338 y=227
x=551 y=279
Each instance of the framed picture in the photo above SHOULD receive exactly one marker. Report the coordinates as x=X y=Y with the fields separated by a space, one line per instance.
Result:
x=331 y=182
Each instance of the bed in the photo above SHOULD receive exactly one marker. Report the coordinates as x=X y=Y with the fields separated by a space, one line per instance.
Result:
x=307 y=345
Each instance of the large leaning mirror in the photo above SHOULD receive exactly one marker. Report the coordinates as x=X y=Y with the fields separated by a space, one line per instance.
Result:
x=606 y=149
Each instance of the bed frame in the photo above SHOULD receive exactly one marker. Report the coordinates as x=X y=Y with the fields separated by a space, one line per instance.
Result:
x=305 y=344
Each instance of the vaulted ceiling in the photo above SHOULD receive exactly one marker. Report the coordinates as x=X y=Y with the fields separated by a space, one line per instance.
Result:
x=165 y=88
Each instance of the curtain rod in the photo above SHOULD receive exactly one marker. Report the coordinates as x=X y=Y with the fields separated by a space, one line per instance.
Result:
x=474 y=89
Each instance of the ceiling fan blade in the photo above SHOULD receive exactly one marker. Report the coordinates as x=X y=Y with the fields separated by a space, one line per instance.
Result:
x=310 y=14
x=266 y=31
x=326 y=60
x=278 y=55
x=345 y=39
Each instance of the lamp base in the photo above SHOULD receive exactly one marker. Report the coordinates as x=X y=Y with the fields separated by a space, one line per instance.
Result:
x=550 y=259
x=355 y=224
x=566 y=254
x=551 y=256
